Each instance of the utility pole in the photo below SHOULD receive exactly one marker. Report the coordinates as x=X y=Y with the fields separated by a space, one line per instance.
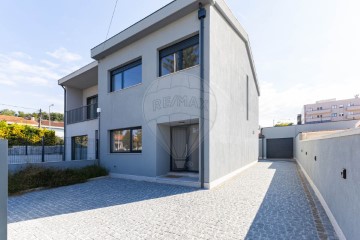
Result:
x=40 y=115
x=50 y=114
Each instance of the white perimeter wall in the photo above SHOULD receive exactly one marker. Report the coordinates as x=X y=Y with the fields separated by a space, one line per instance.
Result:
x=340 y=197
x=233 y=138
x=3 y=188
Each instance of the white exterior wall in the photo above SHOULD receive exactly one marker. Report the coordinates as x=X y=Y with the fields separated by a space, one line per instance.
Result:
x=3 y=188
x=233 y=140
x=77 y=98
x=89 y=92
x=340 y=197
x=74 y=98
x=124 y=108
x=87 y=128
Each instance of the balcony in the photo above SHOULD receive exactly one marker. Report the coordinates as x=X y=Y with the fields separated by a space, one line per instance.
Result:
x=353 y=108
x=320 y=111
x=353 y=116
x=82 y=114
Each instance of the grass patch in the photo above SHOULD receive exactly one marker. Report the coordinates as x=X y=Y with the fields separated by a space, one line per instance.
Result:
x=36 y=177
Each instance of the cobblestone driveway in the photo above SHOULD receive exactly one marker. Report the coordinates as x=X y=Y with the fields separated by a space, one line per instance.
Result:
x=267 y=201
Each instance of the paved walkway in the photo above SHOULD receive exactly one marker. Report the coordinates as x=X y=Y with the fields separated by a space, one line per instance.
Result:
x=266 y=201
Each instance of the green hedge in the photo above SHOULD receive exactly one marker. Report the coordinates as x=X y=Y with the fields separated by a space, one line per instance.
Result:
x=36 y=177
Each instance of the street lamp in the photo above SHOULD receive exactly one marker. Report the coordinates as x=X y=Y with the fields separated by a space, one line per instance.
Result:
x=49 y=114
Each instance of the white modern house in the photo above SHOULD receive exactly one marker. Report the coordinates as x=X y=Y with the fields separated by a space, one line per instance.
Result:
x=174 y=97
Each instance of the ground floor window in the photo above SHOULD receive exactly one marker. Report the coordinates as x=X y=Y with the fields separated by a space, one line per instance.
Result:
x=126 y=140
x=79 y=145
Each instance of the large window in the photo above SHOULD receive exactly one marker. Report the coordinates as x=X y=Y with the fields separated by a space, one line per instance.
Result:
x=126 y=76
x=92 y=104
x=79 y=147
x=180 y=56
x=126 y=140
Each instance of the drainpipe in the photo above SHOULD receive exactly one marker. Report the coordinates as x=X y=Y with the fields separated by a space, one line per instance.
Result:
x=98 y=110
x=202 y=16
x=64 y=155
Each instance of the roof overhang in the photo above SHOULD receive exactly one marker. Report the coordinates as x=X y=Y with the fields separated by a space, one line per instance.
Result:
x=163 y=17
x=85 y=77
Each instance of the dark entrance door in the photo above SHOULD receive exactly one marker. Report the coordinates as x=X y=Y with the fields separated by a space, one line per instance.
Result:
x=185 y=148
x=279 y=148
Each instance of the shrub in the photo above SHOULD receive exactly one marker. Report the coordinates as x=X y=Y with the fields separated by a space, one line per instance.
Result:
x=37 y=177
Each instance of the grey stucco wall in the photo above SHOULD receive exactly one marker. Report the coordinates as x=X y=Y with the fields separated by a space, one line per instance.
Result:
x=342 y=196
x=87 y=128
x=233 y=139
x=13 y=168
x=124 y=108
x=293 y=131
x=3 y=188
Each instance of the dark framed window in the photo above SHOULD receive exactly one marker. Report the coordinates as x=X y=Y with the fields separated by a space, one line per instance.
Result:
x=182 y=55
x=126 y=76
x=92 y=104
x=126 y=140
x=79 y=145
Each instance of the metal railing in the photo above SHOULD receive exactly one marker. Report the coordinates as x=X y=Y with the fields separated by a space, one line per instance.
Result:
x=82 y=114
x=43 y=152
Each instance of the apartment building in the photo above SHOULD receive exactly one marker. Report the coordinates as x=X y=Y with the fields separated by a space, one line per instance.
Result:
x=332 y=110
x=174 y=96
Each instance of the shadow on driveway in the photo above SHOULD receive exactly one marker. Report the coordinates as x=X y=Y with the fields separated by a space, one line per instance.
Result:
x=95 y=194
x=285 y=212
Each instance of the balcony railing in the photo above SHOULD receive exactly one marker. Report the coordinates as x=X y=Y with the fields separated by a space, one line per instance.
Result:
x=318 y=111
x=353 y=108
x=82 y=114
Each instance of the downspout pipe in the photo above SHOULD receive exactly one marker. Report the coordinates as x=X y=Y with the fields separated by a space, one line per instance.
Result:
x=202 y=16
x=64 y=155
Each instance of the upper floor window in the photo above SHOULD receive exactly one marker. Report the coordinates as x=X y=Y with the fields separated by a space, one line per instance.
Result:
x=182 y=55
x=341 y=106
x=334 y=106
x=126 y=76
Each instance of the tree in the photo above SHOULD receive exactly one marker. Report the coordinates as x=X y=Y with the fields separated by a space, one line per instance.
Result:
x=283 y=124
x=18 y=135
x=7 y=112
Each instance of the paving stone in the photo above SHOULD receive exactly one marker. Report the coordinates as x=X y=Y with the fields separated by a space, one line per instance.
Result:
x=266 y=201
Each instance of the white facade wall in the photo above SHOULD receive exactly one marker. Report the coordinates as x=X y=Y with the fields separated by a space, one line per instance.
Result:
x=86 y=128
x=340 y=197
x=233 y=140
x=89 y=92
x=3 y=188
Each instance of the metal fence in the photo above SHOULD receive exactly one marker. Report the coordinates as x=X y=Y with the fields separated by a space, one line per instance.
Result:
x=28 y=153
x=76 y=149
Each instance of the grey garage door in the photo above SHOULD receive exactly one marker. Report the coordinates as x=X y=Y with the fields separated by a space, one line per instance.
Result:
x=279 y=148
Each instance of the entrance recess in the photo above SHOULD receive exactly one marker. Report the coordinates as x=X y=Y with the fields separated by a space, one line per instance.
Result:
x=185 y=148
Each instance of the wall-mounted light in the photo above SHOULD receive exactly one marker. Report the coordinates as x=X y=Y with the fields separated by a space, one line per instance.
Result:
x=315 y=158
x=343 y=173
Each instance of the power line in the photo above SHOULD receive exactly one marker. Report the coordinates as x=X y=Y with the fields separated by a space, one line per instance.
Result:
x=111 y=20
x=2 y=104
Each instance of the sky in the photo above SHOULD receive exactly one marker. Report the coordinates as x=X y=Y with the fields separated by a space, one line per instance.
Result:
x=303 y=50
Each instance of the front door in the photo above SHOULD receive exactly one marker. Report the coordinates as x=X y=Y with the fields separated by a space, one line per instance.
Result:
x=185 y=148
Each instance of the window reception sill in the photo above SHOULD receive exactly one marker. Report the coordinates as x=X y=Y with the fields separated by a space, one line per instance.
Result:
x=125 y=153
x=181 y=71
x=124 y=89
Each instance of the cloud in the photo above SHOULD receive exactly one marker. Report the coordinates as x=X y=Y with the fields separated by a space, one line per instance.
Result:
x=21 y=55
x=50 y=64
x=64 y=55
x=15 y=71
